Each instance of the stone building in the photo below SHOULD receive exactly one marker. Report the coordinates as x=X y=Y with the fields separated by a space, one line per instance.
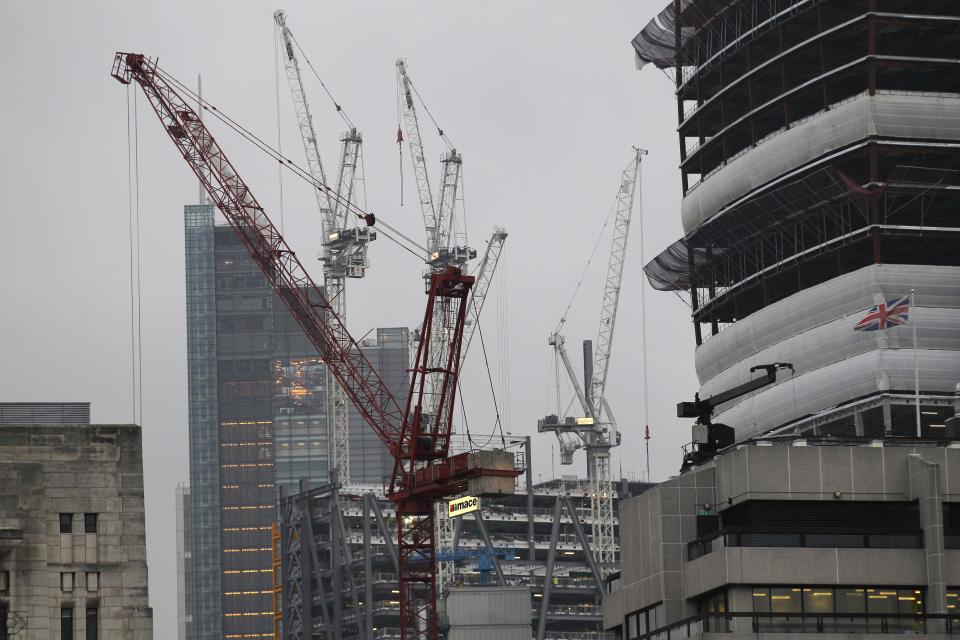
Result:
x=72 y=539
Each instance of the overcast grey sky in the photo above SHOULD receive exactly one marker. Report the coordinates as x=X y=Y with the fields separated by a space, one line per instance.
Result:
x=542 y=99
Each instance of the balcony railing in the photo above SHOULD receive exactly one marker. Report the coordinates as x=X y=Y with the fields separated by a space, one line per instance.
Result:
x=721 y=539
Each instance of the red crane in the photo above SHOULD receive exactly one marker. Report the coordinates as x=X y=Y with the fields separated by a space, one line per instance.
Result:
x=423 y=471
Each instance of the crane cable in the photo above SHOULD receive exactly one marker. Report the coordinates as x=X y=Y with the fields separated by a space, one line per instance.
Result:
x=289 y=164
x=133 y=201
x=606 y=223
x=258 y=142
x=498 y=423
x=440 y=132
x=340 y=110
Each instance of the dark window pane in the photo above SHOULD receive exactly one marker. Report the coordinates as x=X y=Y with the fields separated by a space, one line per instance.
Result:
x=818 y=601
x=770 y=540
x=66 y=523
x=90 y=523
x=785 y=603
x=910 y=602
x=852 y=601
x=93 y=623
x=881 y=601
x=3 y=621
x=847 y=540
x=66 y=623
x=873 y=422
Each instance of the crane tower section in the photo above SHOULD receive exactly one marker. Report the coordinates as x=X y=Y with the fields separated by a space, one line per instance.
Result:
x=344 y=253
x=596 y=432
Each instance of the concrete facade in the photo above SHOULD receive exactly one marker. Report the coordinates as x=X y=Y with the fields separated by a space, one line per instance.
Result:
x=72 y=535
x=672 y=570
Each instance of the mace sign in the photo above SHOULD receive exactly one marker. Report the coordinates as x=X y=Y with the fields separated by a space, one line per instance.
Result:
x=462 y=505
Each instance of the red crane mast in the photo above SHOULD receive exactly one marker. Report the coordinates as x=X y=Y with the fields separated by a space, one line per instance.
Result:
x=423 y=471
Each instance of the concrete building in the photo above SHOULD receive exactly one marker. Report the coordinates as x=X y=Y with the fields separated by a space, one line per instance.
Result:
x=72 y=540
x=257 y=423
x=793 y=537
x=819 y=173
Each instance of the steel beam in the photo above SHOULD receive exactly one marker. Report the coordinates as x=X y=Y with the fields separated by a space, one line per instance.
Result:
x=548 y=575
x=348 y=567
x=531 y=544
x=493 y=554
x=385 y=532
x=585 y=543
x=310 y=543
x=367 y=567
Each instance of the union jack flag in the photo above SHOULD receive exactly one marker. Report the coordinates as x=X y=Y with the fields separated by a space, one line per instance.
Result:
x=892 y=313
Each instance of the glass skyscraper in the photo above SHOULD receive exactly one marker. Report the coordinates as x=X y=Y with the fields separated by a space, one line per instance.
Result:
x=257 y=411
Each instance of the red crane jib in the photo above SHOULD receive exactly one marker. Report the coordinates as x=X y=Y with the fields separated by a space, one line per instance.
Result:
x=419 y=444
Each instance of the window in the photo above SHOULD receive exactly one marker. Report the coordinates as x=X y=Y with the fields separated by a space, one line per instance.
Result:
x=66 y=623
x=66 y=582
x=953 y=599
x=93 y=581
x=66 y=523
x=4 y=584
x=89 y=523
x=644 y=621
x=93 y=623
x=788 y=609
x=714 y=608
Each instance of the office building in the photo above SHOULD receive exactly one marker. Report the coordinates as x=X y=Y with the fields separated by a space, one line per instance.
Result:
x=257 y=412
x=72 y=538
x=819 y=173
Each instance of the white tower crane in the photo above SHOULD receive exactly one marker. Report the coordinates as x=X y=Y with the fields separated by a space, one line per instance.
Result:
x=446 y=245
x=344 y=252
x=597 y=432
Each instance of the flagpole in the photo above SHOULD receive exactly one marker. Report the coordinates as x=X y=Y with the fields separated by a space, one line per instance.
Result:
x=916 y=358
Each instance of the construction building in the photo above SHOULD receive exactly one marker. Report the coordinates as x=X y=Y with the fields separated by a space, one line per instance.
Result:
x=820 y=175
x=508 y=542
x=257 y=423
x=72 y=534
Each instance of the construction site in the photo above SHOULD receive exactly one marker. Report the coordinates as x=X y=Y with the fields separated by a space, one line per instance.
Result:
x=349 y=499
x=367 y=453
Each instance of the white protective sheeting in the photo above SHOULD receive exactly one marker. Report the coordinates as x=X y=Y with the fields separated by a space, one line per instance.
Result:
x=827 y=387
x=770 y=330
x=893 y=116
x=813 y=330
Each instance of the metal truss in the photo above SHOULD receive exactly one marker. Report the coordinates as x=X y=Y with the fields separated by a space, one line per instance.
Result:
x=817 y=214
x=563 y=503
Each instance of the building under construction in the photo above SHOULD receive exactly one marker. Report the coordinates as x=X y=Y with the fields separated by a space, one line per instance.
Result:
x=340 y=540
x=820 y=178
